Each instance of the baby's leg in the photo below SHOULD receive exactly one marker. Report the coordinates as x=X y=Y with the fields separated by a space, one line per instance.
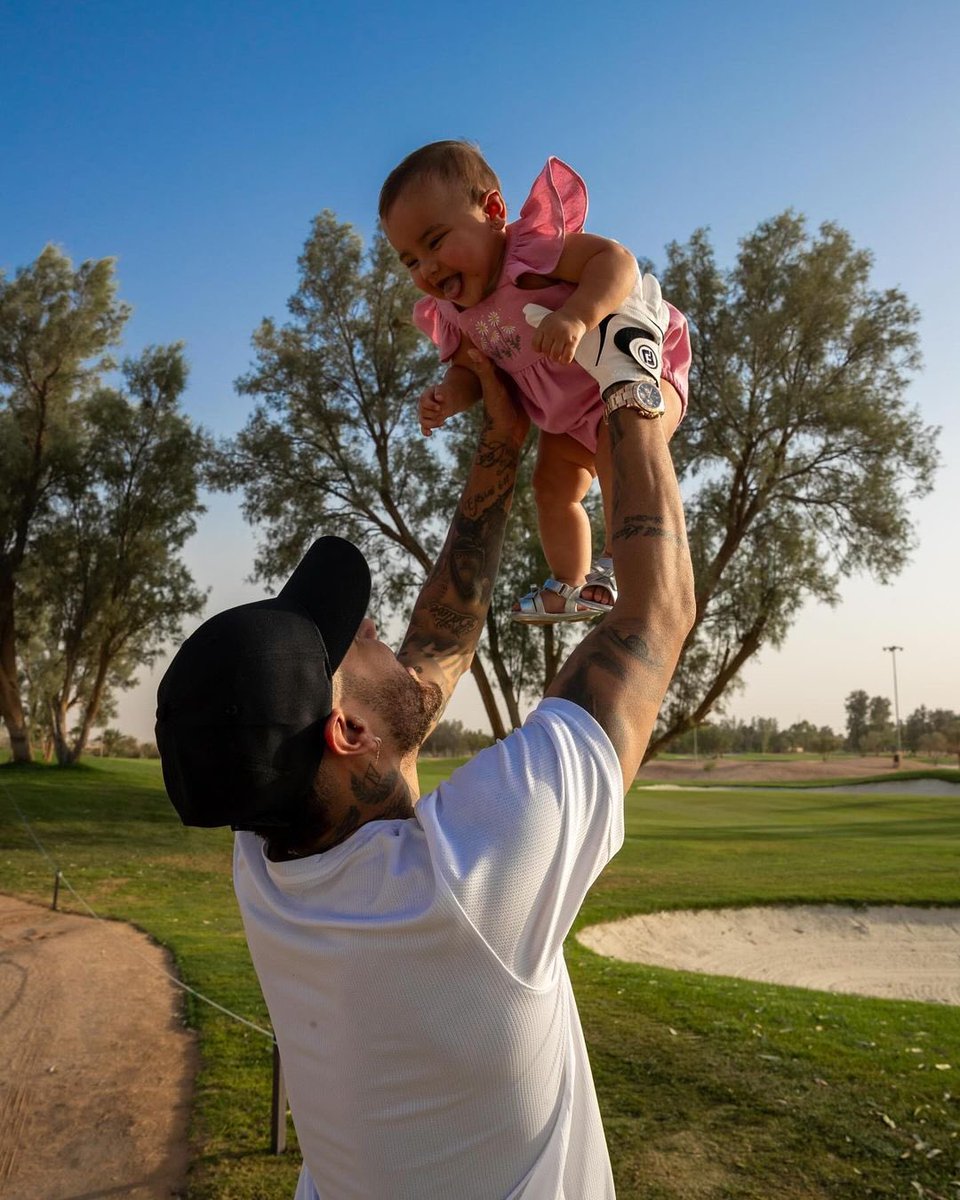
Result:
x=670 y=419
x=561 y=479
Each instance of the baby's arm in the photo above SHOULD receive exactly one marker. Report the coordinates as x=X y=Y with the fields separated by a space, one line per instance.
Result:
x=605 y=273
x=458 y=391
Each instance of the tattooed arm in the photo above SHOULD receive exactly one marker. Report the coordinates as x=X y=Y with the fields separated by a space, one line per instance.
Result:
x=449 y=613
x=619 y=673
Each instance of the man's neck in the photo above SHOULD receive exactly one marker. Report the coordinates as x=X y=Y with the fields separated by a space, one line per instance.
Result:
x=370 y=795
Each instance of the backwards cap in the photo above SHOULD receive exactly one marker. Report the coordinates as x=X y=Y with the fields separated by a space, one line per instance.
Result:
x=241 y=708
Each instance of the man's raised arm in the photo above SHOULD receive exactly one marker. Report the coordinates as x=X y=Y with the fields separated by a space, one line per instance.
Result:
x=620 y=672
x=450 y=611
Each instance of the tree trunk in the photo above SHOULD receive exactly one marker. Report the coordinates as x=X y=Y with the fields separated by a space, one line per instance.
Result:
x=488 y=698
x=58 y=726
x=749 y=645
x=551 y=656
x=91 y=708
x=500 y=668
x=11 y=707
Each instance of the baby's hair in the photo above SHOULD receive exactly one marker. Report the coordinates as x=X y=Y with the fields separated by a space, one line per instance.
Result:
x=457 y=161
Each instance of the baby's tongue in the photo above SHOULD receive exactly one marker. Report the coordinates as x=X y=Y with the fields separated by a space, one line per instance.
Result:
x=451 y=287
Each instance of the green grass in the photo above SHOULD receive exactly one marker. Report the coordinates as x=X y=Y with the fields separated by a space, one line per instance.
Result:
x=711 y=1088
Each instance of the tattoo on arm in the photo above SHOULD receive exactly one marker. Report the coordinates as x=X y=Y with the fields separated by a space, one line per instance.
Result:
x=609 y=654
x=458 y=623
x=645 y=525
x=449 y=613
x=632 y=644
x=579 y=690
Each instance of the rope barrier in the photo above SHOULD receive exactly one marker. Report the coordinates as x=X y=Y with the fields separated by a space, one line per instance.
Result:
x=59 y=875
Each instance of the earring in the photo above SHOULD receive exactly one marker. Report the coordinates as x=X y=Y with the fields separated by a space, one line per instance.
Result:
x=379 y=742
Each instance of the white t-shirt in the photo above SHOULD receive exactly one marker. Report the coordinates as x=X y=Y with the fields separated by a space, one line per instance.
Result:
x=414 y=974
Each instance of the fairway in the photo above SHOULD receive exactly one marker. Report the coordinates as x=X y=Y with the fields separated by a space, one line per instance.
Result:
x=710 y=1087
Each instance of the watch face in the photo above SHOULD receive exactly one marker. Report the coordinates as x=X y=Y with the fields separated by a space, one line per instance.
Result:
x=644 y=397
x=649 y=397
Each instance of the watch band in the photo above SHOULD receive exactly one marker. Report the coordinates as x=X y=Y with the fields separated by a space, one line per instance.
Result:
x=644 y=397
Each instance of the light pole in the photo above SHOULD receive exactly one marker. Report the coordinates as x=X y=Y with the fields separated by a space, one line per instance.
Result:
x=892 y=650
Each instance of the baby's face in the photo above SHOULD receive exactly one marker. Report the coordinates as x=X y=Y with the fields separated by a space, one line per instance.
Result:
x=452 y=247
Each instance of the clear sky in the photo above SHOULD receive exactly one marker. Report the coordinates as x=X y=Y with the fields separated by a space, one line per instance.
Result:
x=195 y=142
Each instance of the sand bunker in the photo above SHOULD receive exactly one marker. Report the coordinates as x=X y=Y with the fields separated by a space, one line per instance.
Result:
x=893 y=952
x=909 y=787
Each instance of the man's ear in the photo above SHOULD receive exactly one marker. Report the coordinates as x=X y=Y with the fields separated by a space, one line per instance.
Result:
x=346 y=736
x=494 y=209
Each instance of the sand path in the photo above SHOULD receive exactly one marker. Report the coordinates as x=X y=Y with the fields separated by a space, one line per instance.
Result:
x=97 y=1066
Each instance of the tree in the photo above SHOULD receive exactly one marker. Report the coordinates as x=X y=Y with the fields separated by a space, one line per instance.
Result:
x=934 y=744
x=802 y=735
x=450 y=738
x=827 y=741
x=56 y=324
x=805 y=453
x=916 y=724
x=334 y=444
x=879 y=717
x=100 y=494
x=857 y=705
x=106 y=585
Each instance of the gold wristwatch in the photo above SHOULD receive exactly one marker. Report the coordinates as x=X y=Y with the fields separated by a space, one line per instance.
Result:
x=644 y=397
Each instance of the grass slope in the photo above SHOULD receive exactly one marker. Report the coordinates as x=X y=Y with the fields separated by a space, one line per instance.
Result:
x=711 y=1088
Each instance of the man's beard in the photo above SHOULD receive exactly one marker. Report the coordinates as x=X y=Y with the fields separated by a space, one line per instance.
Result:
x=407 y=707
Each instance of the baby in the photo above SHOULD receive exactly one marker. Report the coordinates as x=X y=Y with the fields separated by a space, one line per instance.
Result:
x=443 y=212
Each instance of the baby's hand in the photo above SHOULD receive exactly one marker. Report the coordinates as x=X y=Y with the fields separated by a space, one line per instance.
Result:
x=558 y=336
x=458 y=391
x=432 y=410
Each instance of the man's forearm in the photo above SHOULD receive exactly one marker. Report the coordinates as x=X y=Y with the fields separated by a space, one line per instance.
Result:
x=621 y=670
x=449 y=614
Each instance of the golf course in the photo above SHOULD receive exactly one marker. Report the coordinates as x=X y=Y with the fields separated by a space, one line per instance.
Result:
x=711 y=1086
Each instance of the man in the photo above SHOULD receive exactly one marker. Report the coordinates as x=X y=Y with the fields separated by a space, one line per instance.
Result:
x=411 y=957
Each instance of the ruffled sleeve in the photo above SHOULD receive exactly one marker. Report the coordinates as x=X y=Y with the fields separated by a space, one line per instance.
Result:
x=556 y=206
x=440 y=326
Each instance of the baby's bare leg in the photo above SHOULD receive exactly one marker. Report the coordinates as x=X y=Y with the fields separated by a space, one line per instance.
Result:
x=561 y=479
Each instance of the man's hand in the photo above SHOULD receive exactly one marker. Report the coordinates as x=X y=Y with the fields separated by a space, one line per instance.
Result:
x=504 y=420
x=448 y=616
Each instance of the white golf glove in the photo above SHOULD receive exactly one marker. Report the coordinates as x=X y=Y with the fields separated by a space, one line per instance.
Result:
x=626 y=346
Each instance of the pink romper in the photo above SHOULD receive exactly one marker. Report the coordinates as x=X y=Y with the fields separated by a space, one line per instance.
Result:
x=559 y=398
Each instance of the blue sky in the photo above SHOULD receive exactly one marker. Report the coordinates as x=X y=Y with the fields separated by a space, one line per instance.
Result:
x=195 y=142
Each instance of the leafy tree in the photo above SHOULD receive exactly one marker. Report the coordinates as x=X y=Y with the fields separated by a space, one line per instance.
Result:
x=802 y=735
x=827 y=742
x=715 y=738
x=805 y=453
x=916 y=724
x=877 y=741
x=106 y=585
x=334 y=444
x=857 y=705
x=934 y=744
x=951 y=733
x=450 y=738
x=100 y=493
x=879 y=718
x=56 y=324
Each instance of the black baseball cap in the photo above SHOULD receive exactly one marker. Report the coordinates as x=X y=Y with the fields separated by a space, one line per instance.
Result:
x=241 y=708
